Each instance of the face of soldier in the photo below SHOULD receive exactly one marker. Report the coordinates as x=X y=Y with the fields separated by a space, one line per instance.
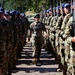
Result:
x=57 y=11
x=61 y=10
x=36 y=19
x=47 y=14
x=1 y=16
x=50 y=12
x=67 y=10
x=7 y=17
x=15 y=16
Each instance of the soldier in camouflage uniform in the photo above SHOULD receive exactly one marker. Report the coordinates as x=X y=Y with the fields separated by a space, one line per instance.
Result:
x=15 y=38
x=46 y=23
x=26 y=27
x=52 y=29
x=19 y=33
x=48 y=45
x=54 y=23
x=57 y=25
x=50 y=16
x=1 y=43
x=58 y=28
x=45 y=18
x=4 y=44
x=23 y=26
x=49 y=21
x=37 y=27
x=62 y=40
x=57 y=34
x=69 y=47
x=1 y=52
x=9 y=47
x=69 y=50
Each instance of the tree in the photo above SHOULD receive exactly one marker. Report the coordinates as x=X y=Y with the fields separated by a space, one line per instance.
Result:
x=25 y=5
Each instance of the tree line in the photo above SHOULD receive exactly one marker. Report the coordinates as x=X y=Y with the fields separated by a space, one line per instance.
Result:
x=25 y=5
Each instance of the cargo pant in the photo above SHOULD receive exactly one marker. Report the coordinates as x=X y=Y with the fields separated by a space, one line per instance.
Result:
x=62 y=50
x=36 y=45
x=70 y=56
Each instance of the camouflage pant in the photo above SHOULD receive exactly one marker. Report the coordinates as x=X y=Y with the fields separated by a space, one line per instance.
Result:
x=53 y=40
x=67 y=50
x=49 y=35
x=70 y=57
x=57 y=43
x=62 y=53
x=4 y=59
x=36 y=44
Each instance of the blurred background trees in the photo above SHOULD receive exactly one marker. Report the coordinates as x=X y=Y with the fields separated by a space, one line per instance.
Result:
x=25 y=5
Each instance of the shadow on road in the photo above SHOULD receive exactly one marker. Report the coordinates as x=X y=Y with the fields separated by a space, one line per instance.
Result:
x=36 y=69
x=26 y=60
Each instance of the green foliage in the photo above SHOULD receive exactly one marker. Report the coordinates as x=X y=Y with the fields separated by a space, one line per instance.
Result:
x=9 y=6
x=25 y=5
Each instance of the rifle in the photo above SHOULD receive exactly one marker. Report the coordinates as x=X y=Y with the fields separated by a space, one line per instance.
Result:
x=54 y=11
x=52 y=6
x=61 y=7
x=73 y=11
x=73 y=23
x=57 y=8
x=58 y=4
x=71 y=6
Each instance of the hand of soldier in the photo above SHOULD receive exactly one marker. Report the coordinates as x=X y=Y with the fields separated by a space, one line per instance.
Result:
x=73 y=39
x=61 y=33
x=52 y=29
x=45 y=35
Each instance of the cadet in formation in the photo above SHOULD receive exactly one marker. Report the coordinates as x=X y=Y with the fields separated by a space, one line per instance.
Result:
x=61 y=36
x=37 y=31
x=13 y=28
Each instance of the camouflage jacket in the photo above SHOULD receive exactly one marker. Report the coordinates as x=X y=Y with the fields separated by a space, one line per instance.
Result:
x=37 y=28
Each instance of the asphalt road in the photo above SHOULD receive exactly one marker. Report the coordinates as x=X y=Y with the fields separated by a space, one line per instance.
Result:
x=24 y=67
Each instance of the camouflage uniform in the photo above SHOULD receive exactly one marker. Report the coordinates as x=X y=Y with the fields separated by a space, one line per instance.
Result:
x=58 y=27
x=69 y=48
x=1 y=49
x=48 y=23
x=51 y=23
x=62 y=40
x=25 y=29
x=19 y=36
x=36 y=39
x=52 y=30
x=14 y=41
x=45 y=20
x=9 y=47
x=49 y=29
x=4 y=49
x=48 y=33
